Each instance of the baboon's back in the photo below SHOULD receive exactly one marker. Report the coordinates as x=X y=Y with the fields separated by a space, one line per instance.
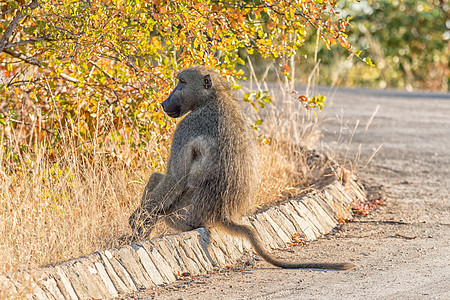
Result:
x=223 y=190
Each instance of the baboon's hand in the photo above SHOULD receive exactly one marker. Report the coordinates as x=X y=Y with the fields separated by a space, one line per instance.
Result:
x=142 y=222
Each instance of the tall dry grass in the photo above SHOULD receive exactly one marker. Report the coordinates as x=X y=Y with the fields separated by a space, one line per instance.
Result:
x=285 y=136
x=53 y=209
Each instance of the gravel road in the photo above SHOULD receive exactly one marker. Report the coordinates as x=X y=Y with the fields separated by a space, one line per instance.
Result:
x=402 y=248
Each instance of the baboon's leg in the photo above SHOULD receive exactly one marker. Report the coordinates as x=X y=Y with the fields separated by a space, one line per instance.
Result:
x=183 y=215
x=163 y=194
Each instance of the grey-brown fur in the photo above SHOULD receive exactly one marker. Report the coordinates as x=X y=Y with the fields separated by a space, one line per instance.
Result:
x=211 y=172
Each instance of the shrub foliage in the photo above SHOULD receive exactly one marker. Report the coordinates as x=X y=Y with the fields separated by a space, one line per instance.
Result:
x=98 y=69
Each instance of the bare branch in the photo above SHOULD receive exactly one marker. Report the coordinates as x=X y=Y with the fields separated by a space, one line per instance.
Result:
x=36 y=62
x=103 y=71
x=13 y=25
x=16 y=54
x=68 y=78
x=20 y=43
x=33 y=125
x=6 y=12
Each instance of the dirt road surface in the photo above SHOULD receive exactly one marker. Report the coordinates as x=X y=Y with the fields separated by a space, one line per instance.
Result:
x=402 y=248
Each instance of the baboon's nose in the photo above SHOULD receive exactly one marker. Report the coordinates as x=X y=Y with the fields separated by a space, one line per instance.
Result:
x=166 y=104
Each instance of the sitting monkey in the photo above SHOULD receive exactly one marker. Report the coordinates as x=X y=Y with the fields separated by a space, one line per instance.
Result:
x=211 y=172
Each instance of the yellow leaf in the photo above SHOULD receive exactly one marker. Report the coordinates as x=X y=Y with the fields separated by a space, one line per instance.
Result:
x=119 y=3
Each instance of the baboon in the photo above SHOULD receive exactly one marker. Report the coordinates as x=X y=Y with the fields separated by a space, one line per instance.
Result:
x=211 y=172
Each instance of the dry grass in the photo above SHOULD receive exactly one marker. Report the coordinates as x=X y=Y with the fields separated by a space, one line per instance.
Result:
x=284 y=139
x=56 y=209
x=53 y=209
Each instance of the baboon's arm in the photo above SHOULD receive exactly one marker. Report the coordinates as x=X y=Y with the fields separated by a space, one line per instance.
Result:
x=154 y=180
x=165 y=194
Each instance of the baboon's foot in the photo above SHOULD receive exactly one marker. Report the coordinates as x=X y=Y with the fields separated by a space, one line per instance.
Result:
x=127 y=239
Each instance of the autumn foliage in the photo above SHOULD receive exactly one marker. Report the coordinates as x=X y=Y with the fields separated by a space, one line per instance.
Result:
x=100 y=68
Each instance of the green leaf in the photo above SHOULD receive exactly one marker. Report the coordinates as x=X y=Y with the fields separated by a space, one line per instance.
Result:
x=368 y=61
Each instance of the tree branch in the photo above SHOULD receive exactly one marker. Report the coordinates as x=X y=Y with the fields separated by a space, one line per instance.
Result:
x=33 y=125
x=30 y=60
x=103 y=71
x=13 y=25
x=20 y=43
x=68 y=78
x=36 y=62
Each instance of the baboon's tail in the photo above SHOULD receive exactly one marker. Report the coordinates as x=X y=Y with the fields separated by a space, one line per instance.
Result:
x=252 y=235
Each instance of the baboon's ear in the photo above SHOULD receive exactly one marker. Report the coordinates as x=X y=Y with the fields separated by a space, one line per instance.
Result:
x=207 y=81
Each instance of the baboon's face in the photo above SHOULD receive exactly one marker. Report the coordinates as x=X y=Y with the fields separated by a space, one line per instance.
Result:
x=191 y=91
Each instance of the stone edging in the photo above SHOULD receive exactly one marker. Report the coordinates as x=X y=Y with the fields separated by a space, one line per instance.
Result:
x=114 y=272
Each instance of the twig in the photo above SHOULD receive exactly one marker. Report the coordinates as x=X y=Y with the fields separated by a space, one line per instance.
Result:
x=23 y=57
x=68 y=78
x=13 y=25
x=29 y=124
x=103 y=71
x=34 y=61
x=405 y=236
x=21 y=43
x=308 y=86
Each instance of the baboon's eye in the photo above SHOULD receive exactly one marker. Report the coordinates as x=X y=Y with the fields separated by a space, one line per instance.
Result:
x=207 y=81
x=181 y=80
